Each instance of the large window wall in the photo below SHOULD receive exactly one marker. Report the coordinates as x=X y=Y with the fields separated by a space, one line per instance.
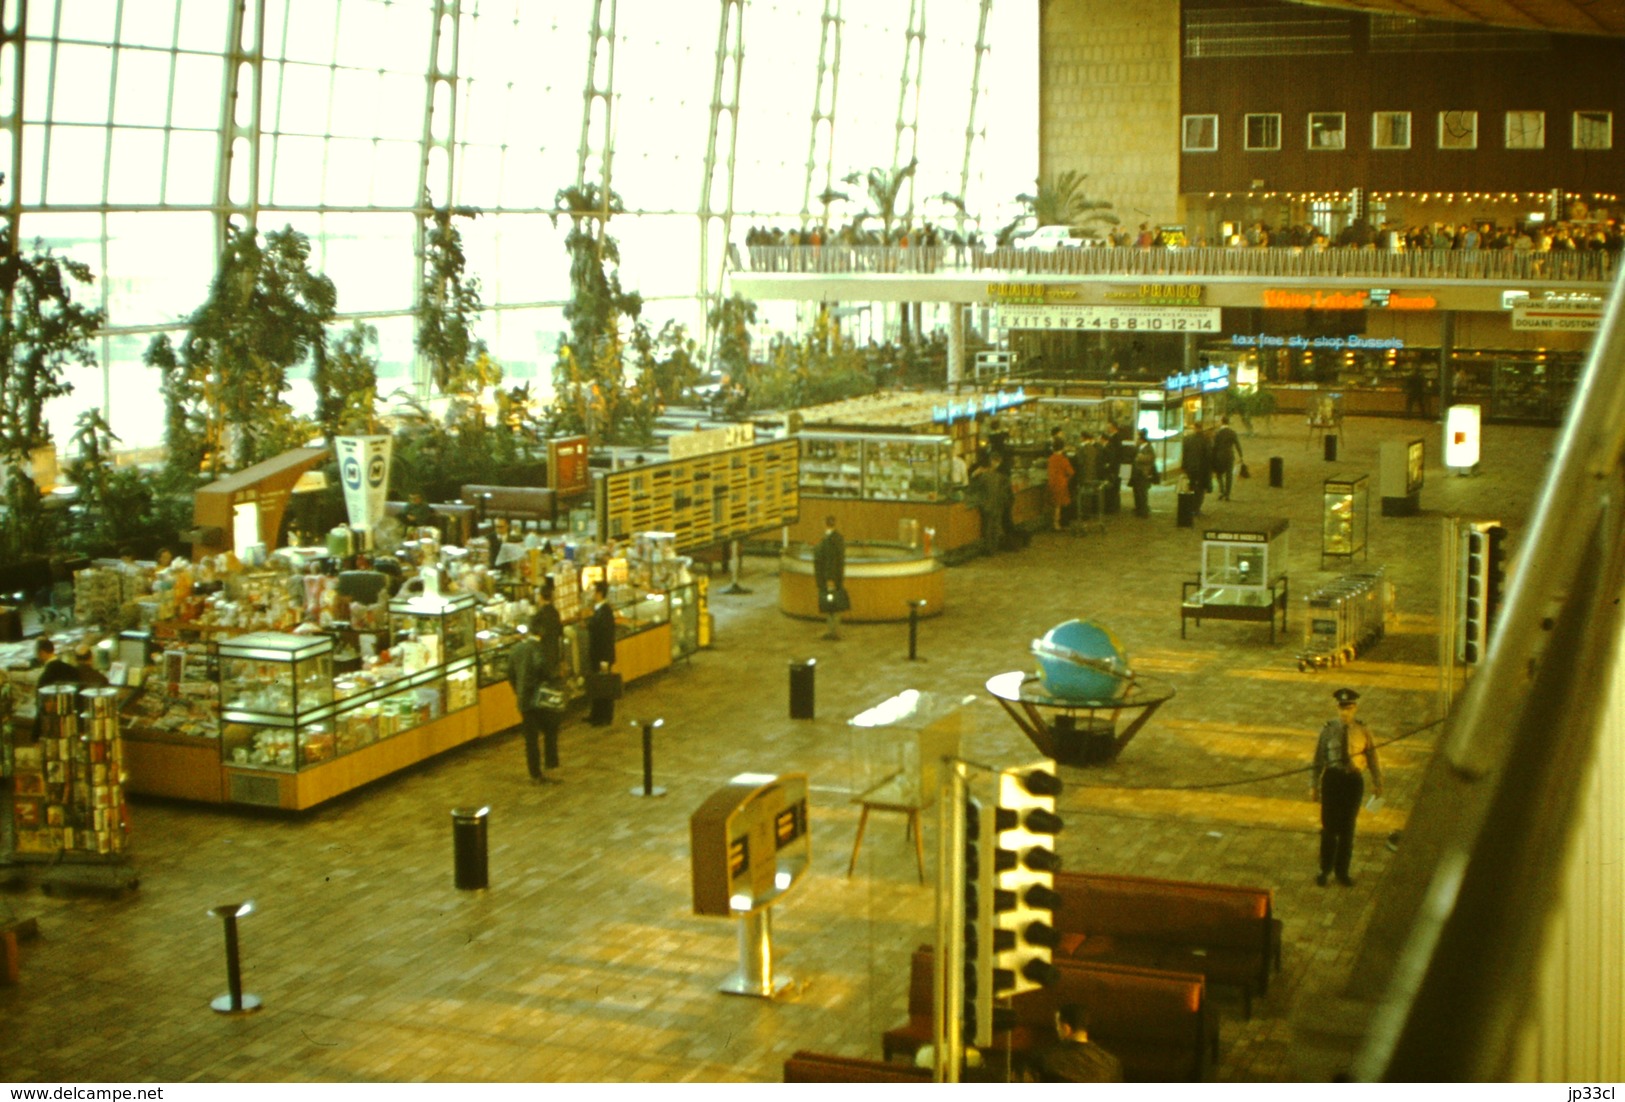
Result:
x=124 y=103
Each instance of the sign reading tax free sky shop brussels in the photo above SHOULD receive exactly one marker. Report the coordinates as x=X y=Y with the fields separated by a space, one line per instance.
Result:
x=1111 y=319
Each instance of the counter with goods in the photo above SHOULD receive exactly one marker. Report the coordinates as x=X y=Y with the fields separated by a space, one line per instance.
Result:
x=288 y=684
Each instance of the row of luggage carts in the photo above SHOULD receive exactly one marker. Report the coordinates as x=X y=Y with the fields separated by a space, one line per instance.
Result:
x=1344 y=617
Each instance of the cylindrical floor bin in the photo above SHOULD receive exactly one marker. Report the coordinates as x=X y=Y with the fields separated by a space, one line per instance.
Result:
x=1329 y=442
x=802 y=687
x=468 y=845
x=1185 y=513
x=1277 y=472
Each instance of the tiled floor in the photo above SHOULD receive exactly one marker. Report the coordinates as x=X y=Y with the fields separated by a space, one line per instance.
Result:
x=584 y=962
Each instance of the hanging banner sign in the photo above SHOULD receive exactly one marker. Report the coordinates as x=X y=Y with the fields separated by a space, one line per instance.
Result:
x=1112 y=319
x=364 y=472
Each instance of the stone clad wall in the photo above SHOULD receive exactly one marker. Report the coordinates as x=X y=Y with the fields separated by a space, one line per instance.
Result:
x=1109 y=102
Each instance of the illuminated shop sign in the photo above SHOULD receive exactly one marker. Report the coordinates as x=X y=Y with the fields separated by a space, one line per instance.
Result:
x=1270 y=340
x=1160 y=294
x=975 y=405
x=1213 y=377
x=1032 y=293
x=1347 y=300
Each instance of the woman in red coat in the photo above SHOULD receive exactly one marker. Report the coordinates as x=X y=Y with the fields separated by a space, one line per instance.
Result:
x=1060 y=480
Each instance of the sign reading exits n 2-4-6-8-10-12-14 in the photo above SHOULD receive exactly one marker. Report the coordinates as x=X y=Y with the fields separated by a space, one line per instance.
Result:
x=1112 y=319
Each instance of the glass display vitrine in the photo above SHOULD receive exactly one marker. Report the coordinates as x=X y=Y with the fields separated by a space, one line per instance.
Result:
x=276 y=700
x=684 y=608
x=906 y=468
x=1345 y=516
x=832 y=466
x=430 y=631
x=880 y=467
x=1242 y=560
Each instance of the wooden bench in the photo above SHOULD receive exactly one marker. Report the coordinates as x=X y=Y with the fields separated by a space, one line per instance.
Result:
x=1226 y=933
x=1157 y=1023
x=819 y=1067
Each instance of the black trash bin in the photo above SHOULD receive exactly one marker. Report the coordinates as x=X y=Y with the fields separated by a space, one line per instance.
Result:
x=1185 y=512
x=1277 y=472
x=1329 y=443
x=802 y=687
x=468 y=846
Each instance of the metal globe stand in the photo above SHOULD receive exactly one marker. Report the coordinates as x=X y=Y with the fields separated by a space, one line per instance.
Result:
x=233 y=1001
x=1047 y=719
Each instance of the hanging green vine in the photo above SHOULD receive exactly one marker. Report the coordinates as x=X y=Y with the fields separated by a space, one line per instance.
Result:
x=265 y=313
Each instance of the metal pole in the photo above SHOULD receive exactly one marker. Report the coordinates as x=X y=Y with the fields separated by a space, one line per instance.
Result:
x=648 y=788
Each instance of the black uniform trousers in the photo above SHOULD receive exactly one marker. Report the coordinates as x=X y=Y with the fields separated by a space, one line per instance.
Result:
x=540 y=725
x=1340 y=793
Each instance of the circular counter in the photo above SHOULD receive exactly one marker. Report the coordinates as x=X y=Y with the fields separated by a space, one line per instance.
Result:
x=881 y=580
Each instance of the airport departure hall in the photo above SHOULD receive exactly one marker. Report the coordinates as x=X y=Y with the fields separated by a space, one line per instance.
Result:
x=980 y=541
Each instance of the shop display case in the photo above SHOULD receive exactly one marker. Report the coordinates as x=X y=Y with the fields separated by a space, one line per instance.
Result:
x=430 y=630
x=1345 y=517
x=877 y=467
x=1243 y=575
x=276 y=700
x=1030 y=426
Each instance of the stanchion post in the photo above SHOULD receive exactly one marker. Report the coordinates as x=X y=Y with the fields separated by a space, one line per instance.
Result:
x=914 y=629
x=648 y=788
x=233 y=1001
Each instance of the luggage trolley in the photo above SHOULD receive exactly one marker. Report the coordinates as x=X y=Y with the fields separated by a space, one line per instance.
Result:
x=1344 y=617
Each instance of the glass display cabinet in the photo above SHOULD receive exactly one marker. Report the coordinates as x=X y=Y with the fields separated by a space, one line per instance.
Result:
x=276 y=700
x=1243 y=575
x=429 y=631
x=1345 y=516
x=877 y=467
x=1031 y=425
x=685 y=620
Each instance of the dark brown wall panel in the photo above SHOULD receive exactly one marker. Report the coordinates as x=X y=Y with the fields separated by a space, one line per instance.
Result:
x=1574 y=73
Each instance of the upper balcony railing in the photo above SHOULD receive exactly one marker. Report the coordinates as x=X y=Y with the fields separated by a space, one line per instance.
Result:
x=1510 y=265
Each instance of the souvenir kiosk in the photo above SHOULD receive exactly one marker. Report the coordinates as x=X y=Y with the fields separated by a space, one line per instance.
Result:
x=1243 y=575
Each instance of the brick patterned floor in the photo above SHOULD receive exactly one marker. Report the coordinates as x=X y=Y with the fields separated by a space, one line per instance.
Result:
x=584 y=962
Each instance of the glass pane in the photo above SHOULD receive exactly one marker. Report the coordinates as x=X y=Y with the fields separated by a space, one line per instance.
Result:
x=191 y=167
x=204 y=24
x=198 y=85
x=150 y=23
x=302 y=105
x=91 y=20
x=399 y=107
x=479 y=176
x=309 y=37
x=75 y=168
x=143 y=87
x=355 y=102
x=369 y=259
x=136 y=172
x=395 y=174
x=82 y=76
x=349 y=172
x=36 y=81
x=137 y=415
x=395 y=353
x=141 y=291
x=32 y=179
x=297 y=171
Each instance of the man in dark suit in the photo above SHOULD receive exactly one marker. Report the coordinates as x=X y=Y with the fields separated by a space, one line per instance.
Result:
x=601 y=653
x=829 y=575
x=533 y=663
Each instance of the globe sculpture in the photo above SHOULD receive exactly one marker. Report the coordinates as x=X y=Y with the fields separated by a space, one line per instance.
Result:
x=1082 y=660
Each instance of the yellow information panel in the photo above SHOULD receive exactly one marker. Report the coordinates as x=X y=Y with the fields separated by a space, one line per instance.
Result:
x=705 y=499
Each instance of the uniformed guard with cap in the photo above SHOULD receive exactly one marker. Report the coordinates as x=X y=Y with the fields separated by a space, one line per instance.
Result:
x=1342 y=754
